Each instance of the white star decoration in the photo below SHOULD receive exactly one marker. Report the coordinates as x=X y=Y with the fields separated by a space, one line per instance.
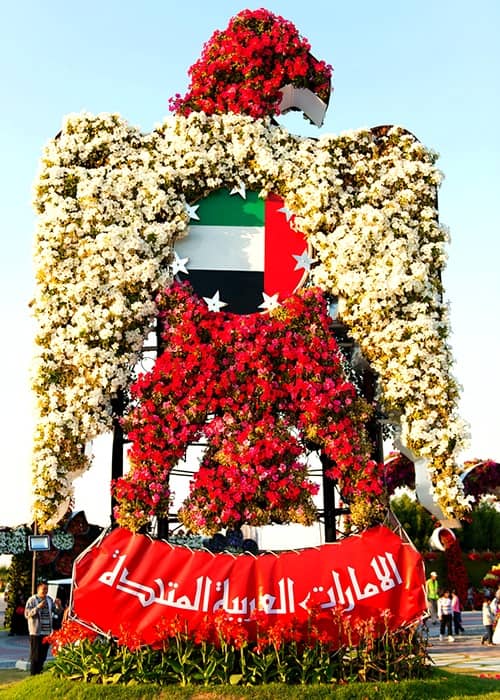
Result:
x=179 y=264
x=304 y=262
x=214 y=303
x=241 y=190
x=191 y=210
x=286 y=211
x=270 y=302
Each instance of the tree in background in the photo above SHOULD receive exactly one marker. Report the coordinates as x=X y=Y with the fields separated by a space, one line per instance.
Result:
x=416 y=520
x=482 y=532
x=465 y=560
x=18 y=579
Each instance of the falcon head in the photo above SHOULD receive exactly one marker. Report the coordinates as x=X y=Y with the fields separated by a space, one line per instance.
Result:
x=260 y=66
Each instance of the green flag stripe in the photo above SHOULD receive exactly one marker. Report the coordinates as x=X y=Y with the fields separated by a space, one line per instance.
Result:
x=222 y=209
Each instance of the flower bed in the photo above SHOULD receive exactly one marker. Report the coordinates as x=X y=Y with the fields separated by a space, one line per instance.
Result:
x=221 y=653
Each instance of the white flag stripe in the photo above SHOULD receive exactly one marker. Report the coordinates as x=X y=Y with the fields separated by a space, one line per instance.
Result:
x=238 y=248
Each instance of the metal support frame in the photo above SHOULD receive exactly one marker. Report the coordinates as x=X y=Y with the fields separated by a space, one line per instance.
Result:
x=118 y=406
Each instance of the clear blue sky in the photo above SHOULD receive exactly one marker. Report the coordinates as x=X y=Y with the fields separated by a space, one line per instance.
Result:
x=430 y=66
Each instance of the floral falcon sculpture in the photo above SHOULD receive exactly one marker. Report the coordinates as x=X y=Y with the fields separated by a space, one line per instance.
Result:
x=112 y=202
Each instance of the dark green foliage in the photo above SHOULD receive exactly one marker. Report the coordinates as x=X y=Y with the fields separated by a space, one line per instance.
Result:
x=18 y=579
x=415 y=519
x=482 y=533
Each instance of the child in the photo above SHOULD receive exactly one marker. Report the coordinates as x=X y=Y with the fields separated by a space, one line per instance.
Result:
x=445 y=615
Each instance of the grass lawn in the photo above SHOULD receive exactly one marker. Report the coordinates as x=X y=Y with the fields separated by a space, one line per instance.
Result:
x=17 y=685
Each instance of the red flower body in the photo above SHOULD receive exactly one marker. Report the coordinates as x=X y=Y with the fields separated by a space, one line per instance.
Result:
x=263 y=391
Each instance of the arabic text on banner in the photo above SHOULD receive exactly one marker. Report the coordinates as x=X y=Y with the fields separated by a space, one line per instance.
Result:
x=131 y=578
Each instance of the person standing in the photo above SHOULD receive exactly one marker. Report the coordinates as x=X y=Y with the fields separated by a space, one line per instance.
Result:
x=456 y=609
x=495 y=625
x=495 y=606
x=488 y=619
x=445 y=616
x=470 y=598
x=38 y=612
x=431 y=591
x=18 y=624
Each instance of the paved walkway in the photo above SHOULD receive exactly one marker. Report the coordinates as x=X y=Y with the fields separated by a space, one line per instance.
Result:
x=465 y=654
x=14 y=651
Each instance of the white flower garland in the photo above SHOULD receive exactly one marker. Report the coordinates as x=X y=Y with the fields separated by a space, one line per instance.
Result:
x=62 y=540
x=13 y=541
x=111 y=204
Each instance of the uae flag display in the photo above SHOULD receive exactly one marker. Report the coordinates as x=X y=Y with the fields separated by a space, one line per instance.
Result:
x=241 y=252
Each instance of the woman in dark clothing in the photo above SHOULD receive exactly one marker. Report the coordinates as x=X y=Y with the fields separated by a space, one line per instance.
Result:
x=18 y=623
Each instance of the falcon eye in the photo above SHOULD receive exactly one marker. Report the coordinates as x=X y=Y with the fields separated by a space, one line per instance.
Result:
x=241 y=253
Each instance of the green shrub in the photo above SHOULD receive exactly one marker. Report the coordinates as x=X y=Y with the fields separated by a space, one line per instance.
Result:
x=482 y=533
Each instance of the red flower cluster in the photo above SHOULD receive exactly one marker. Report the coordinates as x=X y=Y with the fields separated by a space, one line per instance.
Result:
x=129 y=638
x=492 y=578
x=488 y=556
x=490 y=676
x=70 y=633
x=398 y=471
x=242 y=68
x=225 y=629
x=263 y=390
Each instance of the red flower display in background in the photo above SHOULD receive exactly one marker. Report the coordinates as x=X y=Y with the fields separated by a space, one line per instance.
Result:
x=264 y=391
x=483 y=479
x=242 y=68
x=458 y=579
x=398 y=471
x=492 y=578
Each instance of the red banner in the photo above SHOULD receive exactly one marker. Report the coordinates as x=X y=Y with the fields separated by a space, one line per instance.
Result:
x=133 y=580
